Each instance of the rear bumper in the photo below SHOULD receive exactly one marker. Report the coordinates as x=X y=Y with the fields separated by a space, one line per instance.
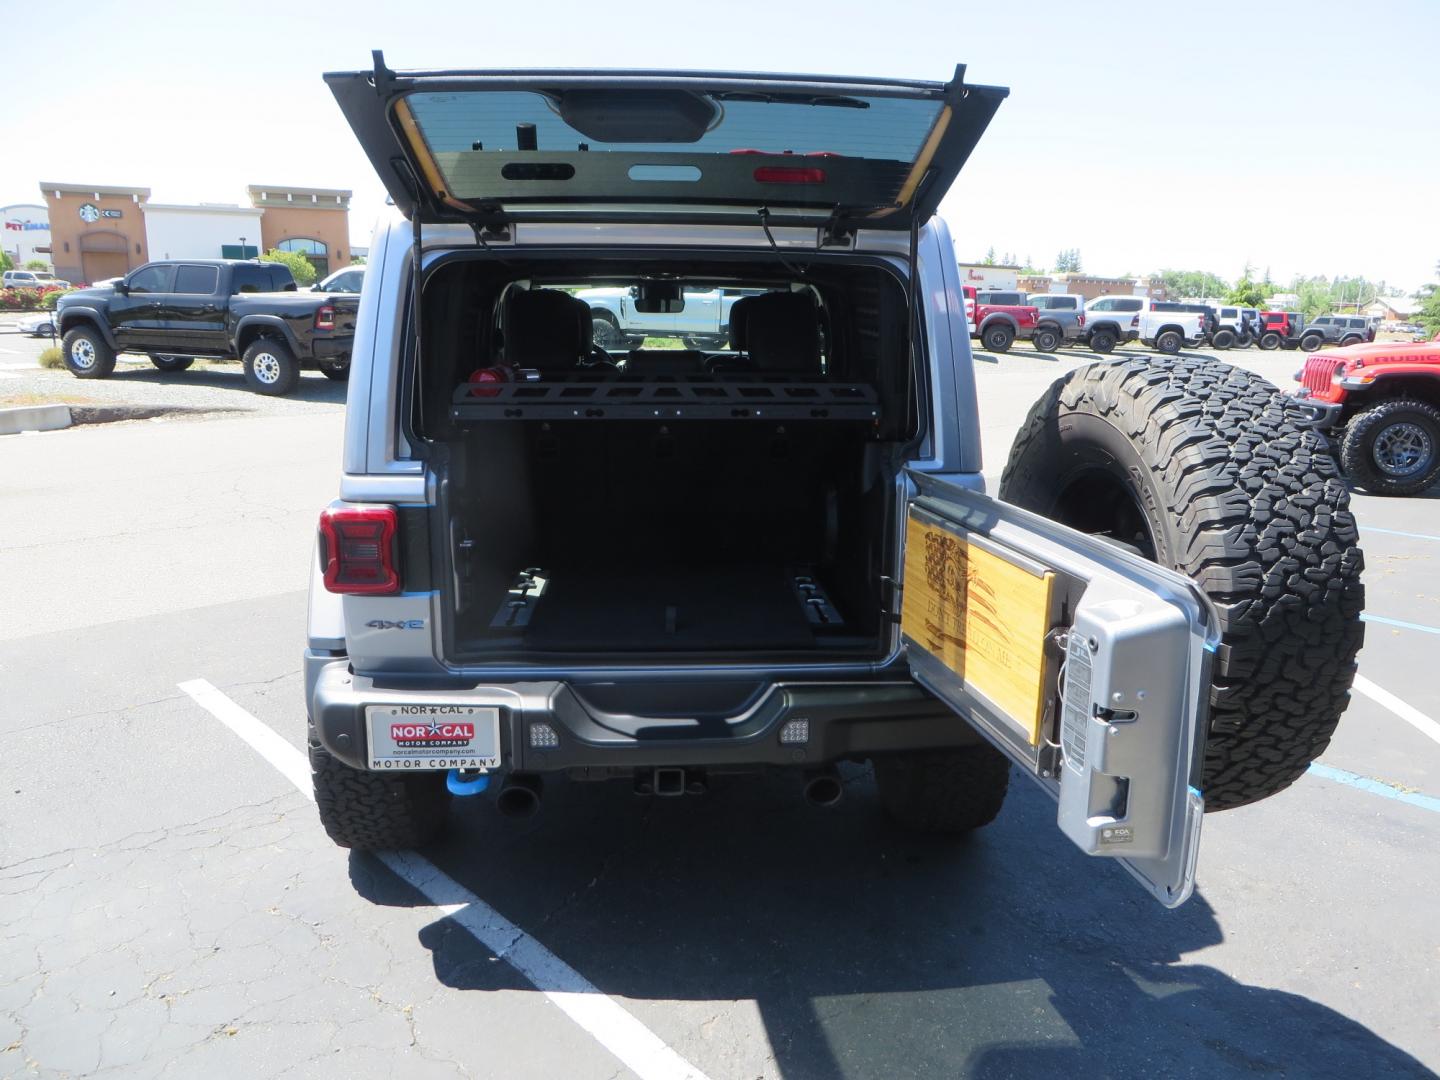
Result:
x=331 y=348
x=845 y=720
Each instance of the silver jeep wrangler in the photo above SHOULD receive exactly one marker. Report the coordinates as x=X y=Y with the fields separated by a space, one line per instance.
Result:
x=555 y=560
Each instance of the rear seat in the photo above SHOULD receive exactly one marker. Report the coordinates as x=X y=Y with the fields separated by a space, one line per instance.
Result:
x=547 y=330
x=775 y=332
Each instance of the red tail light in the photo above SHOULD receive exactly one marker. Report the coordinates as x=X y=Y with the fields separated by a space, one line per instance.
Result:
x=1135 y=321
x=789 y=174
x=1081 y=319
x=325 y=318
x=357 y=550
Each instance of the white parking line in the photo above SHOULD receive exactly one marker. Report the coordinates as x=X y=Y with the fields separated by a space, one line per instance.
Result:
x=1405 y=711
x=600 y=1015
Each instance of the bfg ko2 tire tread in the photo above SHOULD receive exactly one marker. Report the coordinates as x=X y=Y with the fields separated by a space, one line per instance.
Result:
x=1357 y=449
x=1239 y=494
x=943 y=791
x=371 y=811
x=86 y=353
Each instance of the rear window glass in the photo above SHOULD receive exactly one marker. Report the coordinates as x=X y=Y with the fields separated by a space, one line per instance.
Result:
x=1128 y=305
x=717 y=145
x=196 y=279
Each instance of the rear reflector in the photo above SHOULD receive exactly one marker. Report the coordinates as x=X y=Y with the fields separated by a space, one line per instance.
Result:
x=325 y=318
x=357 y=550
x=788 y=174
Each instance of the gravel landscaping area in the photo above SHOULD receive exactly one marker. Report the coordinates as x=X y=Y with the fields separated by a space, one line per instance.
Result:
x=206 y=388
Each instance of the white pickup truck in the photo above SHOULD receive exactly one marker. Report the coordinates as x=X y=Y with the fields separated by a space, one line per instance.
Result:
x=703 y=323
x=1110 y=320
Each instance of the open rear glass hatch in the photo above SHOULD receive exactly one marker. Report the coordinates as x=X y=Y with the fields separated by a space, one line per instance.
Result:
x=491 y=147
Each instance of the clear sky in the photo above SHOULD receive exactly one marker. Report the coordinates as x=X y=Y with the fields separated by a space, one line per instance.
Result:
x=1297 y=136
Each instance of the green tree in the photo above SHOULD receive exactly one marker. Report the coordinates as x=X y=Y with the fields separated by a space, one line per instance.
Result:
x=1068 y=261
x=36 y=264
x=989 y=259
x=6 y=263
x=1249 y=293
x=301 y=268
x=1314 y=294
x=1196 y=283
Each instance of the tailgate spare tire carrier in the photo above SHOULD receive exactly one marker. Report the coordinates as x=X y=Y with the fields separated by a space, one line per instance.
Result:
x=1208 y=470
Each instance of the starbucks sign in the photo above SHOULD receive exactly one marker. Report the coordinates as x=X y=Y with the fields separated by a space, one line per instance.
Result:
x=89 y=212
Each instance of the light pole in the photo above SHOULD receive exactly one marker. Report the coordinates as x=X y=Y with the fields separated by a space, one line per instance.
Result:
x=242 y=247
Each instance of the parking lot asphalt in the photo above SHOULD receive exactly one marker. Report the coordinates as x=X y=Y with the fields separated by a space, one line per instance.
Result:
x=170 y=907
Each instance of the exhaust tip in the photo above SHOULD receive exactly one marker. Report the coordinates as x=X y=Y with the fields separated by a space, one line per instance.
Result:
x=824 y=788
x=519 y=797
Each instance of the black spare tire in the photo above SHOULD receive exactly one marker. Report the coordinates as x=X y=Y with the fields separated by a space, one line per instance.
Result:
x=1209 y=470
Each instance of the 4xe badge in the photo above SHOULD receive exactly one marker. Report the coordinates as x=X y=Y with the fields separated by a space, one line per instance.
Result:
x=402 y=624
x=433 y=735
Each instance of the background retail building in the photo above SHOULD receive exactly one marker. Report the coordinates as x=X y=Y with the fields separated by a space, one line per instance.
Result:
x=98 y=231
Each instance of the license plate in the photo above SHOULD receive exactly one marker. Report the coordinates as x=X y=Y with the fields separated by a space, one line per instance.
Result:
x=433 y=737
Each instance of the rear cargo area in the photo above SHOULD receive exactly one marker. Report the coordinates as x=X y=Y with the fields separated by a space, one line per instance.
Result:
x=703 y=537
x=735 y=505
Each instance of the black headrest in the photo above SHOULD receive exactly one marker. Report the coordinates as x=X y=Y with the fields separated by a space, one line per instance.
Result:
x=739 y=315
x=781 y=331
x=546 y=329
x=664 y=362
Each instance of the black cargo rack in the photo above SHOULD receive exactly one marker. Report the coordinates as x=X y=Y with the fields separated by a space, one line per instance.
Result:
x=616 y=396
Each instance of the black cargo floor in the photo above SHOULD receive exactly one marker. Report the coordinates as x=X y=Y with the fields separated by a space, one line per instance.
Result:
x=691 y=609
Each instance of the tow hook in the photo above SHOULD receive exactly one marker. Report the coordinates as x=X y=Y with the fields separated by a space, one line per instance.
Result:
x=464 y=782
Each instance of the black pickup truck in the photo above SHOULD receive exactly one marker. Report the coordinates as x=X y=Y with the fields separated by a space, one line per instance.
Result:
x=177 y=310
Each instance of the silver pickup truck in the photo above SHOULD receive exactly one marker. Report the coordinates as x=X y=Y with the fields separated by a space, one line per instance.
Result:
x=546 y=566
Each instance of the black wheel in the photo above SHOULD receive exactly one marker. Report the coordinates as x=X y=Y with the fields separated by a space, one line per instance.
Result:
x=87 y=356
x=270 y=367
x=1223 y=339
x=1211 y=471
x=1353 y=339
x=1046 y=338
x=1269 y=340
x=1311 y=342
x=1169 y=342
x=943 y=791
x=335 y=370
x=172 y=363
x=997 y=338
x=1243 y=340
x=376 y=811
x=1393 y=448
x=1102 y=341
x=605 y=330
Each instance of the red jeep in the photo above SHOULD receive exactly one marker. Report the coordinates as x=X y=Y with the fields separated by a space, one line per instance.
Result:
x=1384 y=402
x=1001 y=317
x=1286 y=329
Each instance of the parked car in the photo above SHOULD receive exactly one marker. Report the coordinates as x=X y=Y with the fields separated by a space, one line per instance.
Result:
x=566 y=571
x=40 y=324
x=1209 y=320
x=178 y=310
x=1343 y=329
x=1110 y=320
x=1286 y=329
x=1383 y=403
x=1061 y=319
x=21 y=279
x=700 y=318
x=1001 y=317
x=349 y=280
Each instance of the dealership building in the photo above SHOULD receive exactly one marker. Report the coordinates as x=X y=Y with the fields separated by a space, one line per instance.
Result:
x=98 y=231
